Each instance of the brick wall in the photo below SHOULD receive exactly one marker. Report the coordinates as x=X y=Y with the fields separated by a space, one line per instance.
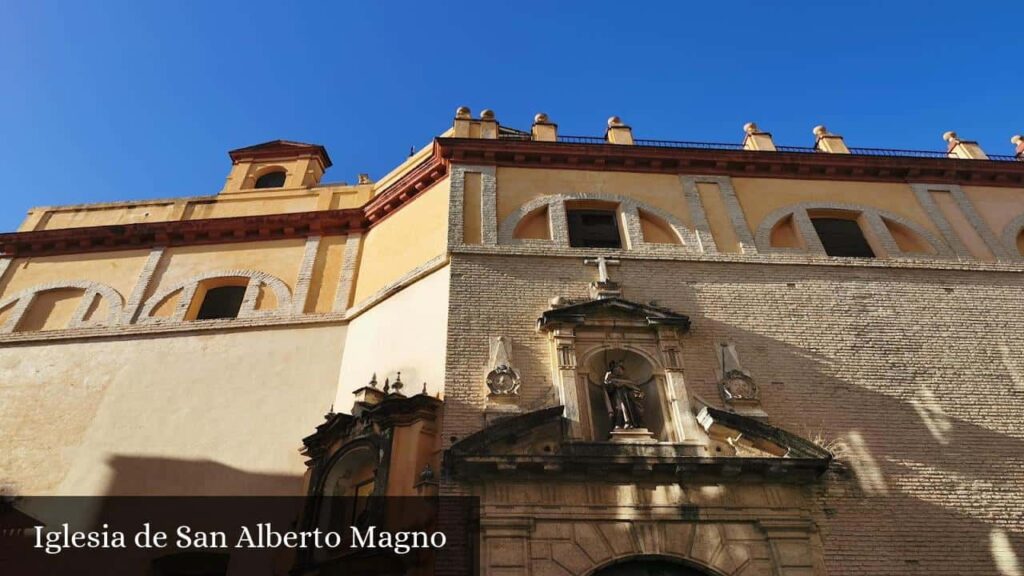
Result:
x=919 y=373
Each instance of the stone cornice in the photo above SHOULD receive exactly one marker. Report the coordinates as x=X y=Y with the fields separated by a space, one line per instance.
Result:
x=736 y=163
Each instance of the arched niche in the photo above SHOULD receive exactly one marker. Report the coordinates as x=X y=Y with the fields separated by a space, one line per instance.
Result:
x=347 y=486
x=790 y=230
x=262 y=291
x=93 y=304
x=543 y=222
x=648 y=376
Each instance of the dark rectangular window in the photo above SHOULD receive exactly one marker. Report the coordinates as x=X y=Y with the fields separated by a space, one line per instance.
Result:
x=842 y=238
x=593 y=229
x=221 y=302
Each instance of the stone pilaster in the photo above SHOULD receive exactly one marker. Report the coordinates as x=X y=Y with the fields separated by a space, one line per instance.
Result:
x=305 y=276
x=134 y=304
x=349 y=268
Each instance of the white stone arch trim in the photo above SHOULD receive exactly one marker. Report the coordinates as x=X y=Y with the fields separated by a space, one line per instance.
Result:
x=23 y=300
x=873 y=217
x=629 y=210
x=1010 y=233
x=248 y=309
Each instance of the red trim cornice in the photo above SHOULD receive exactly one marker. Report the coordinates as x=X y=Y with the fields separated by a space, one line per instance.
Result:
x=523 y=154
x=737 y=163
x=226 y=230
x=432 y=170
x=181 y=233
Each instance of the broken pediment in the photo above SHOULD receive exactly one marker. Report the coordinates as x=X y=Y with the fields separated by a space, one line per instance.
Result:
x=536 y=443
x=595 y=311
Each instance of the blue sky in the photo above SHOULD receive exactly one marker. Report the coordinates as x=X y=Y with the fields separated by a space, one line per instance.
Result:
x=112 y=101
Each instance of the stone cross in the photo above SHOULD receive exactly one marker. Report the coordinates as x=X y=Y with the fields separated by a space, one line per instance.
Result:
x=602 y=264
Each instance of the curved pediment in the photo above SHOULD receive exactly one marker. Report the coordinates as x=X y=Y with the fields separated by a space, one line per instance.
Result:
x=607 y=308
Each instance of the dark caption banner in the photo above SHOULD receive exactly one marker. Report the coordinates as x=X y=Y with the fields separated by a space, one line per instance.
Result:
x=213 y=536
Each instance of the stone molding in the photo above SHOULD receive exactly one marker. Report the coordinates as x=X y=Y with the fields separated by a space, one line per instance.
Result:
x=873 y=217
x=188 y=289
x=628 y=207
x=790 y=258
x=1001 y=250
x=22 y=300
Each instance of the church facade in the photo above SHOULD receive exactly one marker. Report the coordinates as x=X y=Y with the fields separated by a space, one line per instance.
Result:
x=643 y=357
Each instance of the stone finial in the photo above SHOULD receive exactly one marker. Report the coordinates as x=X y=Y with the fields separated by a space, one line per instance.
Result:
x=964 y=149
x=1018 y=141
x=756 y=139
x=543 y=129
x=618 y=132
x=463 y=113
x=826 y=141
x=373 y=381
x=365 y=179
x=487 y=114
x=424 y=391
x=387 y=385
x=398 y=385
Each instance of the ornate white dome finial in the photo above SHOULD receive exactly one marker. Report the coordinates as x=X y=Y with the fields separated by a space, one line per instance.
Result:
x=462 y=112
x=1016 y=139
x=541 y=118
x=614 y=121
x=751 y=128
x=820 y=130
x=950 y=136
x=487 y=114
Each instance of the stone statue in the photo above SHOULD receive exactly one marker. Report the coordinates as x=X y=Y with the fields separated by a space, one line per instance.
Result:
x=623 y=398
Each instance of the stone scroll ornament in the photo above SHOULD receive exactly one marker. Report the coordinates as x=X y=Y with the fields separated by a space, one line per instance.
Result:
x=502 y=379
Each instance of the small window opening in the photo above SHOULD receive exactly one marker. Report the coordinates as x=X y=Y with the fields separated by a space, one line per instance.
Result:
x=271 y=180
x=221 y=302
x=593 y=229
x=842 y=238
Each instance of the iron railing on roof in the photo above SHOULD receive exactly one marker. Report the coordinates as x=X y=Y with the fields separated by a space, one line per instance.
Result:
x=887 y=152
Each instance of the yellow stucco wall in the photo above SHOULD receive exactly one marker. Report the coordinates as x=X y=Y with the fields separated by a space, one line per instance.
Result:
x=119 y=270
x=209 y=413
x=406 y=239
x=517 y=186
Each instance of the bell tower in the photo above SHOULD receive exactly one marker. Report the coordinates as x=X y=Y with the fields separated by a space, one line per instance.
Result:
x=276 y=165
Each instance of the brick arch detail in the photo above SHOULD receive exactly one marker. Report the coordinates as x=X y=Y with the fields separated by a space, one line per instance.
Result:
x=188 y=290
x=628 y=207
x=23 y=300
x=875 y=219
x=1010 y=233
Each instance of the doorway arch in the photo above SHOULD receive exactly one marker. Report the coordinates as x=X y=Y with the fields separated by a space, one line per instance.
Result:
x=651 y=566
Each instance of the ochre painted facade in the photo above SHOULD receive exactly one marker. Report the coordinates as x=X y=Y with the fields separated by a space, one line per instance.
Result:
x=435 y=332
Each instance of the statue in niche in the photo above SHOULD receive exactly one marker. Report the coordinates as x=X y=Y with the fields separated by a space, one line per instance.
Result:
x=623 y=398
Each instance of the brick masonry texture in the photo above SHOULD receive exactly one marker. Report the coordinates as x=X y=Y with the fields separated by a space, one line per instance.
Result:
x=919 y=373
